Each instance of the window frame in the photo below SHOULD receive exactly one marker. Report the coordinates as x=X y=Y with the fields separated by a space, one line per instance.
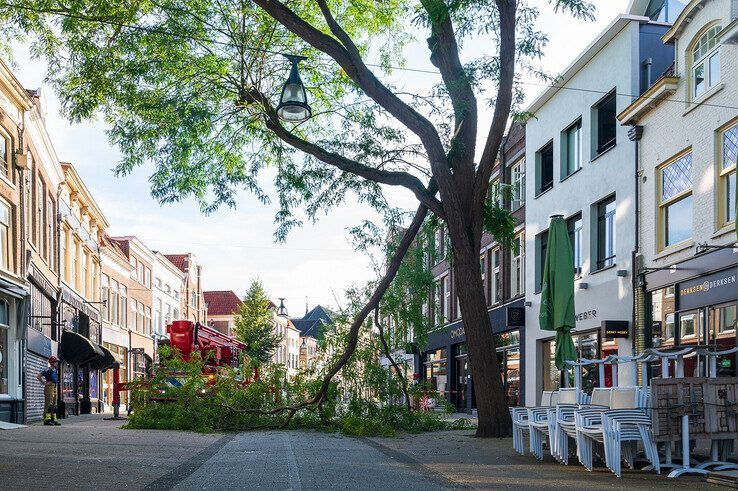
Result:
x=571 y=226
x=6 y=256
x=724 y=199
x=6 y=163
x=540 y=186
x=517 y=266
x=601 y=147
x=609 y=261
x=711 y=33
x=664 y=205
x=567 y=169
x=517 y=185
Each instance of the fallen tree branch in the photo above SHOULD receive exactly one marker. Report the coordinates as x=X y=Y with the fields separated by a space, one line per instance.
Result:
x=373 y=303
x=388 y=355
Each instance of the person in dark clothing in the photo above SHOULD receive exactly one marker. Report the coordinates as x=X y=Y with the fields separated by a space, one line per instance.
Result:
x=49 y=378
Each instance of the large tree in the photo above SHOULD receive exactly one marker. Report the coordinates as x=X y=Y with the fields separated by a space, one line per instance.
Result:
x=190 y=85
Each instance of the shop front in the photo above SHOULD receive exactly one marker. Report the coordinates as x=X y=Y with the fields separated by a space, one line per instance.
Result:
x=447 y=366
x=13 y=309
x=116 y=341
x=80 y=381
x=693 y=303
x=42 y=339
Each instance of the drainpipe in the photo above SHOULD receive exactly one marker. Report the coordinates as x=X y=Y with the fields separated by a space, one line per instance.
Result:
x=635 y=133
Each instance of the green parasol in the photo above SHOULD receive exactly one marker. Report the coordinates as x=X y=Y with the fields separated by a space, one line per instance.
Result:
x=557 y=291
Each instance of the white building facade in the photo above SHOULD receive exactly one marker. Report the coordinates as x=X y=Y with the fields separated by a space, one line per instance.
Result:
x=687 y=187
x=580 y=163
x=168 y=285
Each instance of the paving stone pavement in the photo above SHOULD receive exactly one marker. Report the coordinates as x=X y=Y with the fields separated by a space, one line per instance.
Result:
x=91 y=453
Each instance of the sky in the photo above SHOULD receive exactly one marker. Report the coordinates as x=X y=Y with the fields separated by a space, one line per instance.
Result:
x=316 y=263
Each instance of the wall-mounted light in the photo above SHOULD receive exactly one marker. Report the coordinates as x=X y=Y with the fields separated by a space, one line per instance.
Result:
x=622 y=273
x=583 y=285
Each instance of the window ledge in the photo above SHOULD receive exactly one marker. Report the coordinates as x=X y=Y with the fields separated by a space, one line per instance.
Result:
x=569 y=175
x=613 y=265
x=603 y=152
x=728 y=228
x=541 y=193
x=673 y=249
x=7 y=181
x=701 y=99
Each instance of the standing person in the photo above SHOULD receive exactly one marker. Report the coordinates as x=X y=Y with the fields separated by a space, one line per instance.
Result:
x=49 y=379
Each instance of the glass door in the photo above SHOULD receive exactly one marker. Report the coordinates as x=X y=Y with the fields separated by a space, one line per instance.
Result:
x=462 y=373
x=721 y=334
x=692 y=330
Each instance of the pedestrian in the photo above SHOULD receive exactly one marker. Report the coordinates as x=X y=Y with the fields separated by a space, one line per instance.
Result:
x=49 y=379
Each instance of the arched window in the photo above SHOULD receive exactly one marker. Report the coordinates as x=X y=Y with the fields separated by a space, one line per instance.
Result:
x=705 y=62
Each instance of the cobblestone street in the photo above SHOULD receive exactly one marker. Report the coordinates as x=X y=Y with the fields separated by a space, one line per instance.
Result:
x=91 y=453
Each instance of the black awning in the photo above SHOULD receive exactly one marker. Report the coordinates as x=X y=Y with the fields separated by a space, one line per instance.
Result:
x=107 y=360
x=76 y=349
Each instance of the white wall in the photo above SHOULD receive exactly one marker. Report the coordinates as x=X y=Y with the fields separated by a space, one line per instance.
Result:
x=672 y=127
x=610 y=296
x=171 y=276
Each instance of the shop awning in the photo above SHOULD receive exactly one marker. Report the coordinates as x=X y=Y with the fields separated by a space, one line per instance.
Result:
x=76 y=349
x=107 y=360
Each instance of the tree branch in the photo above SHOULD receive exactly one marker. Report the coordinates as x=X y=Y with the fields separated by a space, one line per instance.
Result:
x=388 y=355
x=503 y=101
x=382 y=176
x=445 y=56
x=355 y=68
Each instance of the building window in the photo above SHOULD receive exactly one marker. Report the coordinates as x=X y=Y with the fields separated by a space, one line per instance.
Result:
x=147 y=277
x=83 y=275
x=5 y=153
x=606 y=233
x=728 y=159
x=541 y=248
x=483 y=270
x=517 y=184
x=572 y=150
x=73 y=253
x=132 y=318
x=675 y=200
x=105 y=285
x=446 y=298
x=6 y=236
x=123 y=300
x=705 y=62
x=605 y=113
x=574 y=224
x=517 y=266
x=544 y=164
x=63 y=254
x=147 y=313
x=4 y=348
x=40 y=226
x=140 y=322
x=496 y=277
x=50 y=222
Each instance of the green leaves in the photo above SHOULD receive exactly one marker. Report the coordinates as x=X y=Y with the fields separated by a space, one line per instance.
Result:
x=255 y=325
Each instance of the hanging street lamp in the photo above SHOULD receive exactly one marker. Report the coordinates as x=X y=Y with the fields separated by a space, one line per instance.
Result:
x=293 y=106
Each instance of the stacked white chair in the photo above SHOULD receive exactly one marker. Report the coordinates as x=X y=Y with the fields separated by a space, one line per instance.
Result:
x=520 y=422
x=542 y=421
x=566 y=426
x=625 y=422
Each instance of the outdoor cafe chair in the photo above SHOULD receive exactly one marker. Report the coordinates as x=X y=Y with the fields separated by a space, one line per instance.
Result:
x=520 y=422
x=541 y=420
x=598 y=426
x=565 y=424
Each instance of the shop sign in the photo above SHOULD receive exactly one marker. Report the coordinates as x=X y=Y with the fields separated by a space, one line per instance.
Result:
x=38 y=343
x=515 y=317
x=457 y=333
x=615 y=329
x=708 y=290
x=586 y=315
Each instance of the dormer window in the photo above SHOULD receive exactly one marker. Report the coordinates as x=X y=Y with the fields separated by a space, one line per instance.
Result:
x=705 y=62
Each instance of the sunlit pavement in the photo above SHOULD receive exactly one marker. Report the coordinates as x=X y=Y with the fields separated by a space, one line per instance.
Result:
x=92 y=453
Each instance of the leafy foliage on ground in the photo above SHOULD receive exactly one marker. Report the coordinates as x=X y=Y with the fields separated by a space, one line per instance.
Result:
x=197 y=402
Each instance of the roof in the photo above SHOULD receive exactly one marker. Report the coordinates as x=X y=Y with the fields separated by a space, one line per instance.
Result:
x=179 y=260
x=310 y=324
x=222 y=302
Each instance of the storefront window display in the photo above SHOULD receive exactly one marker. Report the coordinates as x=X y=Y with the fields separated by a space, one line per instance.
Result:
x=4 y=368
x=436 y=371
x=588 y=346
x=508 y=358
x=712 y=326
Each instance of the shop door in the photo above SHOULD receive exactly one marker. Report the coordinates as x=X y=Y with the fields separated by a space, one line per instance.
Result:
x=721 y=333
x=462 y=377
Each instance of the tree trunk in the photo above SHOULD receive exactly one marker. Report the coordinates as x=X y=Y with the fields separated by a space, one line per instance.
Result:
x=492 y=411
